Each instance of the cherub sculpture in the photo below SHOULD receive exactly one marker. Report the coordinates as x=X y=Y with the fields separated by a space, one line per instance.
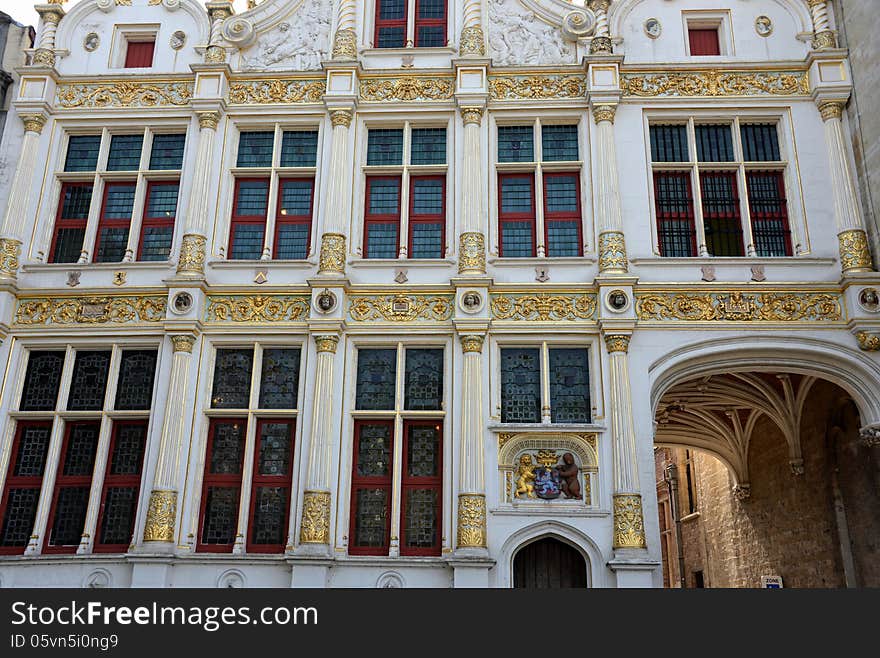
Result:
x=525 y=477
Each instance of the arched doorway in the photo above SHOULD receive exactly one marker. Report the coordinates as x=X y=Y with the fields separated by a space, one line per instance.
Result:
x=549 y=564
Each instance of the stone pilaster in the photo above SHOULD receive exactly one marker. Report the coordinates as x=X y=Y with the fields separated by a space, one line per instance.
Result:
x=338 y=208
x=162 y=511
x=612 y=245
x=471 y=535
x=472 y=240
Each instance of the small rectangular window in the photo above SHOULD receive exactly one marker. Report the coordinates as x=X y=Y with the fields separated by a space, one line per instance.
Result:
x=516 y=144
x=428 y=146
x=562 y=214
x=21 y=493
x=370 y=528
x=669 y=144
x=382 y=217
x=704 y=41
x=167 y=152
x=299 y=148
x=714 y=143
x=427 y=216
x=293 y=222
x=41 y=381
x=721 y=216
x=125 y=152
x=430 y=23
x=115 y=222
x=520 y=385
x=82 y=153
x=232 y=379
x=255 y=149
x=221 y=487
x=89 y=382
x=569 y=385
x=376 y=379
x=559 y=143
x=270 y=490
x=760 y=142
x=423 y=386
x=70 y=226
x=674 y=205
x=122 y=483
x=517 y=215
x=279 y=386
x=385 y=147
x=134 y=390
x=421 y=488
x=139 y=54
x=247 y=234
x=157 y=226
x=390 y=23
x=768 y=208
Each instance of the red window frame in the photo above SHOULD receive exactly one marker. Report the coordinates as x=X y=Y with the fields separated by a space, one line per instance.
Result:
x=287 y=220
x=783 y=202
x=105 y=222
x=238 y=220
x=284 y=481
x=218 y=480
x=119 y=481
x=390 y=22
x=20 y=482
x=734 y=214
x=532 y=216
x=370 y=482
x=66 y=481
x=430 y=22
x=563 y=215
x=439 y=218
x=381 y=218
x=156 y=222
x=62 y=223
x=704 y=41
x=663 y=214
x=408 y=483
x=139 y=54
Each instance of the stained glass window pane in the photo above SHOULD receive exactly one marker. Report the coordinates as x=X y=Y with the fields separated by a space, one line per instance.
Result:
x=421 y=518
x=89 y=381
x=156 y=243
x=516 y=144
x=125 y=152
x=520 y=385
x=136 y=372
x=428 y=146
x=563 y=238
x=371 y=514
x=232 y=379
x=431 y=36
x=167 y=152
x=385 y=146
x=299 y=148
x=255 y=149
x=76 y=201
x=270 y=515
x=163 y=200
x=669 y=143
x=247 y=241
x=41 y=381
x=559 y=143
x=392 y=9
x=427 y=240
x=517 y=239
x=82 y=445
x=280 y=379
x=714 y=143
x=374 y=450
x=424 y=379
x=120 y=201
x=253 y=198
x=432 y=8
x=117 y=517
x=516 y=194
x=221 y=515
x=428 y=196
x=82 y=153
x=296 y=197
x=128 y=449
x=569 y=386
x=21 y=512
x=561 y=193
x=68 y=245
x=381 y=240
x=376 y=378
x=33 y=445
x=70 y=516
x=423 y=450
x=227 y=447
x=391 y=37
x=760 y=142
x=292 y=242
x=275 y=444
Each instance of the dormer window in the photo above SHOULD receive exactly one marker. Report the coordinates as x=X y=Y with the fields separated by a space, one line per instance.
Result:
x=408 y=23
x=704 y=41
x=139 y=54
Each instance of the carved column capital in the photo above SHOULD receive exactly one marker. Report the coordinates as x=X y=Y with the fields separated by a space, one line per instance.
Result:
x=341 y=117
x=471 y=115
x=50 y=15
x=472 y=41
x=471 y=343
x=327 y=343
x=831 y=110
x=345 y=44
x=617 y=343
x=183 y=343
x=600 y=5
x=208 y=120
x=604 y=113
x=33 y=123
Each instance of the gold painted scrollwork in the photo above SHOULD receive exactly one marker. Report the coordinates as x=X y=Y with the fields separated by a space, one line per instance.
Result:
x=89 y=310
x=471 y=521
x=124 y=94
x=472 y=343
x=327 y=343
x=543 y=307
x=738 y=306
x=629 y=526
x=345 y=44
x=332 y=258
x=537 y=87
x=472 y=41
x=401 y=308
x=868 y=342
x=183 y=343
x=315 y=526
x=257 y=308
x=854 y=253
x=192 y=253
x=161 y=516
x=407 y=89
x=612 y=252
x=9 y=252
x=264 y=92
x=617 y=343
x=472 y=253
x=715 y=83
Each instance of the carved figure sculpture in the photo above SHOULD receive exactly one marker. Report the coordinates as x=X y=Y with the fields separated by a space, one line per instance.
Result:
x=525 y=477
x=568 y=471
x=518 y=36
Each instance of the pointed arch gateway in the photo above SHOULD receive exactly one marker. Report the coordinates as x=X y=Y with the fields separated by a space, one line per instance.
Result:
x=549 y=563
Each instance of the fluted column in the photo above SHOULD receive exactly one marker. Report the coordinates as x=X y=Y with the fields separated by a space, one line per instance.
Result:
x=162 y=511
x=612 y=245
x=601 y=42
x=472 y=42
x=192 y=249
x=629 y=526
x=472 y=241
x=471 y=478
x=332 y=260
x=345 y=38
x=15 y=214
x=823 y=36
x=50 y=15
x=315 y=525
x=218 y=12
x=853 y=243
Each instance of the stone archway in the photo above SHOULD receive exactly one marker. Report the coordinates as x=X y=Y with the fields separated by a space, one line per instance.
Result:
x=549 y=563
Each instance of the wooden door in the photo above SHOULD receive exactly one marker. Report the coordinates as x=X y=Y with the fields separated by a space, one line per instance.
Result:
x=549 y=564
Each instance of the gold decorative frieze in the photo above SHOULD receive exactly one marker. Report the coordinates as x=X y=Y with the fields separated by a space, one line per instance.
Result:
x=629 y=526
x=854 y=253
x=161 y=515
x=315 y=527
x=543 y=307
x=264 y=92
x=738 y=306
x=401 y=308
x=89 y=310
x=257 y=308
x=124 y=94
x=716 y=83
x=537 y=87
x=406 y=89
x=471 y=521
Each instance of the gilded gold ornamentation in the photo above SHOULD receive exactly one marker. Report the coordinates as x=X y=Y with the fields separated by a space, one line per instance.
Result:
x=192 y=254
x=315 y=527
x=43 y=57
x=868 y=342
x=604 y=113
x=401 y=308
x=854 y=253
x=472 y=41
x=472 y=115
x=332 y=257
x=824 y=40
x=472 y=253
x=124 y=94
x=9 y=252
x=161 y=515
x=341 y=118
x=215 y=54
x=612 y=252
x=472 y=343
x=264 y=92
x=183 y=343
x=600 y=46
x=738 y=306
x=715 y=83
x=629 y=526
x=33 y=123
x=543 y=307
x=89 y=310
x=51 y=17
x=831 y=110
x=257 y=308
x=406 y=89
x=471 y=521
x=617 y=343
x=537 y=87
x=345 y=44
x=327 y=343
x=208 y=120
x=503 y=438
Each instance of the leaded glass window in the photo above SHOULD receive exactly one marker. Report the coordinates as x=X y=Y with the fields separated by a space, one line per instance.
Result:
x=222 y=483
x=89 y=383
x=299 y=148
x=423 y=389
x=280 y=379
x=376 y=378
x=167 y=152
x=232 y=379
x=125 y=152
x=569 y=385
x=137 y=370
x=23 y=481
x=520 y=385
x=516 y=144
x=271 y=486
x=122 y=486
x=82 y=153
x=385 y=146
x=41 y=381
x=371 y=487
x=255 y=149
